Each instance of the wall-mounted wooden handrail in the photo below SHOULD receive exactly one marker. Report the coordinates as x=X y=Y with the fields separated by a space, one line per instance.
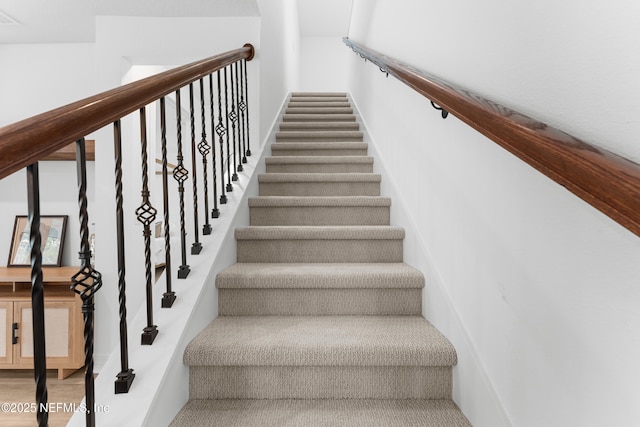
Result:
x=607 y=181
x=27 y=141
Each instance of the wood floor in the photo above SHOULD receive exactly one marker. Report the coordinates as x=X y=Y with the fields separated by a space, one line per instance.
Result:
x=17 y=388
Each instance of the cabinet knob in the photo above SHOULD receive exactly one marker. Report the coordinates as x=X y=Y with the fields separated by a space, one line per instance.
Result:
x=14 y=336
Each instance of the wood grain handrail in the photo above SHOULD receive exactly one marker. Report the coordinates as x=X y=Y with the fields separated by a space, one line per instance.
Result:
x=27 y=141
x=607 y=181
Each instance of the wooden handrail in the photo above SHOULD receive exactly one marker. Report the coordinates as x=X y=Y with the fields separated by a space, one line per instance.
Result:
x=607 y=181
x=27 y=141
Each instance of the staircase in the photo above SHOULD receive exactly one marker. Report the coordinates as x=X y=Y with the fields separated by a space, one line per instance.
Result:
x=320 y=320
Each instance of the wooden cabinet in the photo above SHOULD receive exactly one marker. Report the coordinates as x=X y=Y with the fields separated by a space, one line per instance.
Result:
x=64 y=339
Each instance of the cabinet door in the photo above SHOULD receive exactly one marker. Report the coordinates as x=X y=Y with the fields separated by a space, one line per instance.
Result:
x=6 y=322
x=60 y=323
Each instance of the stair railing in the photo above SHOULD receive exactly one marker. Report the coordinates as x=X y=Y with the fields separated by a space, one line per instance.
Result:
x=607 y=181
x=24 y=143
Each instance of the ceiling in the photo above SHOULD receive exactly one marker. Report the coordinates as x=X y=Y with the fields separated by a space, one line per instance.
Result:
x=73 y=21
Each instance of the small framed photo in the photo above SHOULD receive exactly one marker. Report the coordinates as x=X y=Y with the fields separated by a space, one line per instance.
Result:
x=52 y=229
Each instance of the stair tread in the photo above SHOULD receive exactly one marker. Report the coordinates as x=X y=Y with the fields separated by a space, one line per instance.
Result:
x=319 y=134
x=318 y=201
x=323 y=232
x=323 y=117
x=320 y=275
x=320 y=341
x=322 y=94
x=319 y=177
x=318 y=159
x=321 y=413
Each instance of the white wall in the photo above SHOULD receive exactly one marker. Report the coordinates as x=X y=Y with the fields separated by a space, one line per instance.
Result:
x=536 y=289
x=279 y=50
x=323 y=64
x=33 y=79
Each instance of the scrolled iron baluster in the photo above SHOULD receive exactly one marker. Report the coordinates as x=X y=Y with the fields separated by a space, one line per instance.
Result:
x=233 y=116
x=215 y=212
x=237 y=117
x=87 y=281
x=246 y=91
x=221 y=130
x=169 y=295
x=146 y=215
x=181 y=174
x=204 y=149
x=37 y=295
x=196 y=246
x=226 y=108
x=242 y=106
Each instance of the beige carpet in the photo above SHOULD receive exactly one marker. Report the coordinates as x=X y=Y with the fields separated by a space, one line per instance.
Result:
x=320 y=320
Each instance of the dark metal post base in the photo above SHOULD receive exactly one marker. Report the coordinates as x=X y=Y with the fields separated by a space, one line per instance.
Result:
x=230 y=187
x=234 y=177
x=215 y=213
x=244 y=159
x=248 y=153
x=149 y=334
x=124 y=381
x=206 y=229
x=183 y=271
x=223 y=200
x=240 y=168
x=167 y=299
x=196 y=248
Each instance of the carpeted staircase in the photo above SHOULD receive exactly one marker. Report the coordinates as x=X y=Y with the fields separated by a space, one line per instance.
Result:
x=320 y=320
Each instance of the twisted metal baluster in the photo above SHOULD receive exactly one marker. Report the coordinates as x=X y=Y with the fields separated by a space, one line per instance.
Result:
x=196 y=247
x=87 y=281
x=246 y=91
x=169 y=296
x=37 y=295
x=146 y=215
x=243 y=107
x=204 y=148
x=233 y=116
x=215 y=213
x=226 y=109
x=237 y=116
x=124 y=379
x=221 y=130
x=181 y=174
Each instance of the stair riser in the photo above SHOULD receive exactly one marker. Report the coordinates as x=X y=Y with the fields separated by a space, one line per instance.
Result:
x=387 y=250
x=283 y=150
x=319 y=215
x=319 y=188
x=319 y=302
x=319 y=110
x=319 y=168
x=314 y=118
x=319 y=382
x=316 y=137
x=318 y=126
x=319 y=104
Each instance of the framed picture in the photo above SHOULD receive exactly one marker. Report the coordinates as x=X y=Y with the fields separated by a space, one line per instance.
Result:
x=52 y=229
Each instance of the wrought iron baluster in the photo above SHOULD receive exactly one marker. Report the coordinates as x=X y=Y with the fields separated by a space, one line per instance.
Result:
x=204 y=148
x=87 y=281
x=88 y=274
x=181 y=174
x=169 y=296
x=237 y=117
x=233 y=116
x=146 y=215
x=196 y=246
x=215 y=212
x=226 y=108
x=246 y=91
x=243 y=107
x=37 y=295
x=221 y=130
